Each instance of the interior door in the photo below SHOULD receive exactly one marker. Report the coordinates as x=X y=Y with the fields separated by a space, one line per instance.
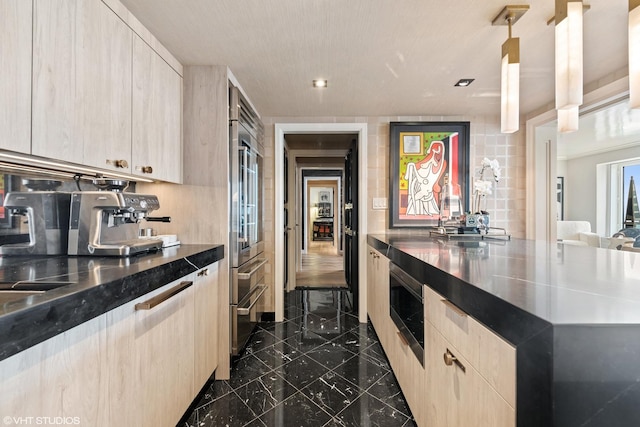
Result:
x=351 y=222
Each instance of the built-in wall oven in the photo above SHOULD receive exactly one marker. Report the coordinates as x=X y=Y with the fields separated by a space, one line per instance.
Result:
x=407 y=309
x=246 y=233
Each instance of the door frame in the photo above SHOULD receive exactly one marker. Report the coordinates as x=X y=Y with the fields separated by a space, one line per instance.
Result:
x=541 y=160
x=281 y=129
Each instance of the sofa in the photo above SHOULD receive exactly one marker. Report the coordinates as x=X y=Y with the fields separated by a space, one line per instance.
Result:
x=577 y=233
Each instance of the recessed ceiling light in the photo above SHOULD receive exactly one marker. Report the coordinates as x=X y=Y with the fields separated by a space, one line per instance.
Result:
x=319 y=83
x=464 y=82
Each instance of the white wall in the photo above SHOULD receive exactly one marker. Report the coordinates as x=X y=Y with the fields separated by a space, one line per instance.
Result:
x=580 y=183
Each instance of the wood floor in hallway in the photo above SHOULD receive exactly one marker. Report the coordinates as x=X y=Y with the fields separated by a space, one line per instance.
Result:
x=322 y=267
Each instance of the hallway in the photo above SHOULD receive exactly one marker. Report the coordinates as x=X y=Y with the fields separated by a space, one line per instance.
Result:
x=319 y=367
x=321 y=267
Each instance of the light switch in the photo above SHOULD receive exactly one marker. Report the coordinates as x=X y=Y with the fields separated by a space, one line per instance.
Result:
x=379 y=203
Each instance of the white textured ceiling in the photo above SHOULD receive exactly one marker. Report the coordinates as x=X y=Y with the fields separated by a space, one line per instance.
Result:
x=394 y=58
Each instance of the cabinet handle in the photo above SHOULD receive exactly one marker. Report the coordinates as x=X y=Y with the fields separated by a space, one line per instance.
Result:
x=144 y=169
x=454 y=308
x=160 y=298
x=120 y=164
x=204 y=272
x=450 y=359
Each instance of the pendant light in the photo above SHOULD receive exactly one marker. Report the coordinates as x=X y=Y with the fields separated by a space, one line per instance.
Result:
x=510 y=71
x=569 y=54
x=634 y=53
x=568 y=119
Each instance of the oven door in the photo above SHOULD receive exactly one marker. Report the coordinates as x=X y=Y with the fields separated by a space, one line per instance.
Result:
x=246 y=301
x=407 y=309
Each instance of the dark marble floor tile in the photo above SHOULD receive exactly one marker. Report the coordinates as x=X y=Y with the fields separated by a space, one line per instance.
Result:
x=330 y=354
x=284 y=330
x=352 y=342
x=246 y=370
x=259 y=339
x=278 y=354
x=360 y=371
x=265 y=393
x=387 y=390
x=228 y=410
x=369 y=411
x=305 y=341
x=365 y=336
x=216 y=390
x=301 y=371
x=332 y=393
x=375 y=354
x=297 y=411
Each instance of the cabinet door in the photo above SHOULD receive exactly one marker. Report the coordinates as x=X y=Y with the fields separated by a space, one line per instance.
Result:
x=378 y=293
x=206 y=324
x=157 y=116
x=105 y=80
x=457 y=396
x=150 y=354
x=81 y=83
x=64 y=376
x=15 y=75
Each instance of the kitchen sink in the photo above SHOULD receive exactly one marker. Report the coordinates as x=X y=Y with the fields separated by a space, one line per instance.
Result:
x=32 y=285
x=11 y=291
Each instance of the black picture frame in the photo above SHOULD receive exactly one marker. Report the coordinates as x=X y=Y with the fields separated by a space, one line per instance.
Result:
x=434 y=149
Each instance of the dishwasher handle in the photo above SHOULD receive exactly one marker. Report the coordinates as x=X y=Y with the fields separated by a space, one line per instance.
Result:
x=160 y=298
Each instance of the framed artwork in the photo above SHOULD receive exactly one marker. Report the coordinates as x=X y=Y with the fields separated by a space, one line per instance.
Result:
x=560 y=198
x=423 y=157
x=325 y=204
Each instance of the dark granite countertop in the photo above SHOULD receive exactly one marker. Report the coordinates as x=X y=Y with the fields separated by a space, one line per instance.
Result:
x=560 y=284
x=571 y=312
x=98 y=285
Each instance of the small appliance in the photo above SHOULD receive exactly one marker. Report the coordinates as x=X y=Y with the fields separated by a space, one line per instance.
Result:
x=46 y=213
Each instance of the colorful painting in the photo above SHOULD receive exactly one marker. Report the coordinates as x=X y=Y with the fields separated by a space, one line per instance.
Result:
x=425 y=157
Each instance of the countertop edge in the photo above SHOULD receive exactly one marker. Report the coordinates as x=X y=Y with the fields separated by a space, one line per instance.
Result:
x=23 y=328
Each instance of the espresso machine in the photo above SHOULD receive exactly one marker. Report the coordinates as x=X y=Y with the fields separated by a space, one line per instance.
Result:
x=46 y=214
x=105 y=222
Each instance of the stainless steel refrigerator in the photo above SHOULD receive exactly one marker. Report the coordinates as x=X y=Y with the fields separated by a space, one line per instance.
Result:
x=246 y=236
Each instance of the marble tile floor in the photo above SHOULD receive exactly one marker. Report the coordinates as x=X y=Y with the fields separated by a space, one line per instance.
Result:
x=320 y=367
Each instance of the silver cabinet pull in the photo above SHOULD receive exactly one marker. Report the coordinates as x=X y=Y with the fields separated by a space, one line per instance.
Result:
x=454 y=308
x=247 y=274
x=204 y=272
x=244 y=311
x=160 y=298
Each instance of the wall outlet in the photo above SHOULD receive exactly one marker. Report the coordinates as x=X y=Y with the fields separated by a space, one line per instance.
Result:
x=379 y=203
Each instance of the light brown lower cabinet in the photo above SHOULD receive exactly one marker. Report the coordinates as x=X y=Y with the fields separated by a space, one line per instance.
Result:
x=457 y=394
x=470 y=371
x=206 y=324
x=65 y=376
x=150 y=348
x=140 y=364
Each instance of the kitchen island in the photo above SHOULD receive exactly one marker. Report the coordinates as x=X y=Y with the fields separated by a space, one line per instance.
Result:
x=125 y=341
x=571 y=313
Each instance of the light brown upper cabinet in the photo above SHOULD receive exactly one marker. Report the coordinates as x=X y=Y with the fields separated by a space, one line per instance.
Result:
x=157 y=116
x=15 y=75
x=81 y=83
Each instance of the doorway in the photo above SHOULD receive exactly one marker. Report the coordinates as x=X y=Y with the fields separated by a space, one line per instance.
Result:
x=282 y=130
